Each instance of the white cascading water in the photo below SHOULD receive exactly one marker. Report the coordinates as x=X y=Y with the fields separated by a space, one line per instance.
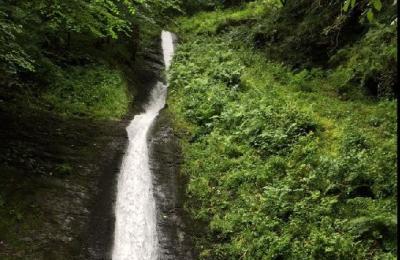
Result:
x=135 y=212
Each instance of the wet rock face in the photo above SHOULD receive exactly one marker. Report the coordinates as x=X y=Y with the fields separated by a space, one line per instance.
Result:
x=100 y=229
x=51 y=177
x=168 y=185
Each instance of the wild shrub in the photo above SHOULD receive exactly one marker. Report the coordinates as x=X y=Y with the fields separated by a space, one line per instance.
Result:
x=370 y=63
x=271 y=129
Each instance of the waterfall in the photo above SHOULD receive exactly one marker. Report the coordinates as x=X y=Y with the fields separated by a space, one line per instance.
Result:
x=168 y=48
x=135 y=226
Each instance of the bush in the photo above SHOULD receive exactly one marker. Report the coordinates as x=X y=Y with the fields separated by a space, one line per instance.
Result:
x=370 y=63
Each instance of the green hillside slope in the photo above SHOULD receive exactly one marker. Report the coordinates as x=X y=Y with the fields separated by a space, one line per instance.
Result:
x=287 y=157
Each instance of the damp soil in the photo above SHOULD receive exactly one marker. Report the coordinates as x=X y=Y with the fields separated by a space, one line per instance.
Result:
x=58 y=178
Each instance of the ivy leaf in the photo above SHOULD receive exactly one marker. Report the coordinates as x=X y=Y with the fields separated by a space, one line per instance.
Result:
x=377 y=4
x=346 y=5
x=370 y=15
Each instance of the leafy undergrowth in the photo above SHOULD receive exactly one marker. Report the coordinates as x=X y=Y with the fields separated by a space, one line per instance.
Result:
x=96 y=92
x=92 y=91
x=280 y=164
x=308 y=34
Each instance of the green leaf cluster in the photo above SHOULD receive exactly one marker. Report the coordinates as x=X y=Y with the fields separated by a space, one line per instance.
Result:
x=372 y=5
x=12 y=55
x=43 y=29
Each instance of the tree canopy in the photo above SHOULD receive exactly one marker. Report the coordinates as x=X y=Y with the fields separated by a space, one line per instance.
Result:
x=28 y=28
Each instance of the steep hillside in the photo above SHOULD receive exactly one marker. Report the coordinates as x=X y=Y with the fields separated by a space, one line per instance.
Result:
x=289 y=143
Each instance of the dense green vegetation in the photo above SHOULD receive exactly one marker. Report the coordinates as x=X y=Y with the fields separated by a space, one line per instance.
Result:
x=286 y=110
x=96 y=91
x=66 y=56
x=289 y=139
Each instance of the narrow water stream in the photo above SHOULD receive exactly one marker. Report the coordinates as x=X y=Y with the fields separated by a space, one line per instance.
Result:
x=135 y=212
